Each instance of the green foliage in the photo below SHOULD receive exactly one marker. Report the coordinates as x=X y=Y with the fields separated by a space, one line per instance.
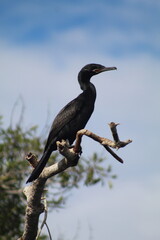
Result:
x=15 y=142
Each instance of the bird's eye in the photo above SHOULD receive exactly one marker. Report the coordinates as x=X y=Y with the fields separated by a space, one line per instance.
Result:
x=96 y=70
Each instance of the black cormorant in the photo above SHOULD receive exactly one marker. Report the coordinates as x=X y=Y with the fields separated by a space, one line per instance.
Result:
x=73 y=116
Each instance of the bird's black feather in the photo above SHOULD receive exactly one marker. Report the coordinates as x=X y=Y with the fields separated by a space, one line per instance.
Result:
x=72 y=117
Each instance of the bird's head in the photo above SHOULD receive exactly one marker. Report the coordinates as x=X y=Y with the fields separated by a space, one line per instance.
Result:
x=90 y=70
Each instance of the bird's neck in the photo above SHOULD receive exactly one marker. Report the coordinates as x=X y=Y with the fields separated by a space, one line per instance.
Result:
x=90 y=91
x=84 y=81
x=86 y=85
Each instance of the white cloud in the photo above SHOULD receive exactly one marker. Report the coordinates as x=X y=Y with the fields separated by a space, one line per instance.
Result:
x=129 y=211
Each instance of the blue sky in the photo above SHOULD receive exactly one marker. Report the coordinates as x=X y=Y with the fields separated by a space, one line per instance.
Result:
x=43 y=45
x=32 y=22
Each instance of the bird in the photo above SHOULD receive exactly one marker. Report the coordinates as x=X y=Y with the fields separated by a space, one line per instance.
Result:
x=73 y=117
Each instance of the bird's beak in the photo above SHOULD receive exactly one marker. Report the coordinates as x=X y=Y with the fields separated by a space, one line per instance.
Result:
x=105 y=69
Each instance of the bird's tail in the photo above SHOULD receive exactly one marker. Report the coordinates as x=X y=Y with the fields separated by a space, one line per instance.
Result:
x=39 y=168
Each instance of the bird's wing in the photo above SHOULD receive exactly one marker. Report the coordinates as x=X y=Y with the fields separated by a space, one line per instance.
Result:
x=66 y=115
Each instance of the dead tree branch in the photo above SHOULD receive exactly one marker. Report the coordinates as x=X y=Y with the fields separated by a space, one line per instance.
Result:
x=34 y=192
x=105 y=142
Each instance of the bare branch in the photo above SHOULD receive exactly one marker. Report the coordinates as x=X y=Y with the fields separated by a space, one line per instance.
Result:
x=34 y=191
x=71 y=155
x=114 y=131
x=45 y=219
x=118 y=144
x=70 y=160
x=32 y=159
x=103 y=141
